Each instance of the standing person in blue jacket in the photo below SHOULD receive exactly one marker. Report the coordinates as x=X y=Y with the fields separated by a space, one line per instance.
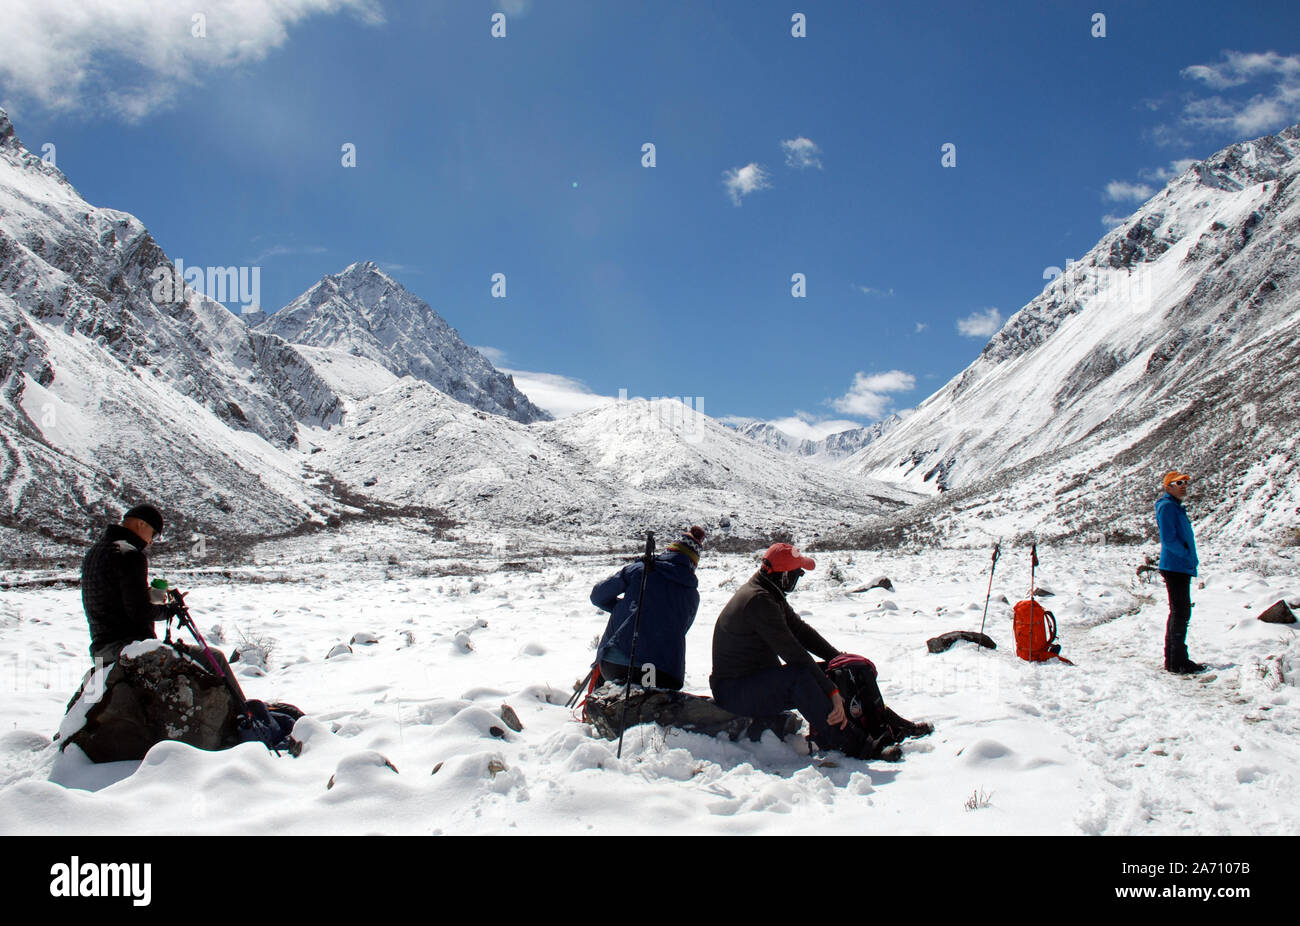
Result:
x=671 y=600
x=1178 y=564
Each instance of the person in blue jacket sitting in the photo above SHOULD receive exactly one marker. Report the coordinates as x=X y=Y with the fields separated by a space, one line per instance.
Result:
x=671 y=600
x=1178 y=564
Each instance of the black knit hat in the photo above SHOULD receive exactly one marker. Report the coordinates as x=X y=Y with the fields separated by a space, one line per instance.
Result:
x=149 y=515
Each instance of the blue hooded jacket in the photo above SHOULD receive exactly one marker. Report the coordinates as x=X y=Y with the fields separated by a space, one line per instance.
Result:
x=671 y=600
x=1177 y=543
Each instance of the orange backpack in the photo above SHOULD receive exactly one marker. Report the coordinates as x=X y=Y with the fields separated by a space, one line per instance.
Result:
x=1035 y=626
x=1035 y=630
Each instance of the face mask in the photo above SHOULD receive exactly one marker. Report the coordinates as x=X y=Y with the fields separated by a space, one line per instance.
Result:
x=789 y=580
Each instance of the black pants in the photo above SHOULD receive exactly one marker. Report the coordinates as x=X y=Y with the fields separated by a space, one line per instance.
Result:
x=772 y=691
x=614 y=672
x=1179 y=587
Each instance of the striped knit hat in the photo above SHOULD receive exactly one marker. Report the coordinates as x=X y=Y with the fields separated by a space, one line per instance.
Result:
x=690 y=544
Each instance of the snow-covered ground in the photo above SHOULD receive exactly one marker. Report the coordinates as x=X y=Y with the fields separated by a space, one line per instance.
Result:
x=1112 y=745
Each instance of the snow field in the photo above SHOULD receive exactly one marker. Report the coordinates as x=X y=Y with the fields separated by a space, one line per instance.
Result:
x=1110 y=746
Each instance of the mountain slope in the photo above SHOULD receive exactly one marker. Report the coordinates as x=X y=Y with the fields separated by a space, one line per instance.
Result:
x=363 y=311
x=606 y=473
x=107 y=396
x=1172 y=343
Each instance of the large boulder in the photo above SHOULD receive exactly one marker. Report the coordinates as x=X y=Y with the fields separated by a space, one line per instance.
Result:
x=151 y=693
x=679 y=710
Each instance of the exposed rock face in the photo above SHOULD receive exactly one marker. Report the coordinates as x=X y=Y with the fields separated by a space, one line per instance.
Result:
x=365 y=312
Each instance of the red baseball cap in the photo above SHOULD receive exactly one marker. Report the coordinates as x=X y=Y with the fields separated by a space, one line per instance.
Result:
x=782 y=557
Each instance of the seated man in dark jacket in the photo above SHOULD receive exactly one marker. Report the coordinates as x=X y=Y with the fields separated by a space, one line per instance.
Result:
x=755 y=632
x=115 y=584
x=671 y=600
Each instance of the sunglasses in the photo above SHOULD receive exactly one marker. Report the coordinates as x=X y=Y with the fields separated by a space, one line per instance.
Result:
x=1180 y=482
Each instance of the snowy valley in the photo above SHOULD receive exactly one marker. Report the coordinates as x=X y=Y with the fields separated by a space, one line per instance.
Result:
x=347 y=468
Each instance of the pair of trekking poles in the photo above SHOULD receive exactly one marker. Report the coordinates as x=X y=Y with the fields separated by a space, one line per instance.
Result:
x=1033 y=567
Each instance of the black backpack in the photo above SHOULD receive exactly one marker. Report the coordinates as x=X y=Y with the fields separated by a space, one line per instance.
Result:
x=855 y=677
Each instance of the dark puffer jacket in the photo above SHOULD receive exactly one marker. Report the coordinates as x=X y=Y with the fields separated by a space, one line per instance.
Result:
x=115 y=593
x=671 y=600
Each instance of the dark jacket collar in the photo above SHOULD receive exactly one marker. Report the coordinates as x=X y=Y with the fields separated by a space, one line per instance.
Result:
x=765 y=582
x=117 y=532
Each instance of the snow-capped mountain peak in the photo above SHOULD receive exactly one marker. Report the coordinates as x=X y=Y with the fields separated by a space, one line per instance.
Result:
x=364 y=311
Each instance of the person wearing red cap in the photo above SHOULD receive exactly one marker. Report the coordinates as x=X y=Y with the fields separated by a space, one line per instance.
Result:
x=115 y=584
x=1178 y=564
x=756 y=632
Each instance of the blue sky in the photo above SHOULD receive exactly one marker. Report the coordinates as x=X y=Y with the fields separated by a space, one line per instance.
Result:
x=775 y=155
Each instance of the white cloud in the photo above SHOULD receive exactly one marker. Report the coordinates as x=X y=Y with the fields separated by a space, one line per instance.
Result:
x=1275 y=102
x=921 y=326
x=741 y=181
x=562 y=396
x=801 y=153
x=1167 y=173
x=282 y=250
x=867 y=397
x=494 y=355
x=1242 y=67
x=1120 y=190
x=981 y=324
x=1113 y=221
x=134 y=56
x=872 y=291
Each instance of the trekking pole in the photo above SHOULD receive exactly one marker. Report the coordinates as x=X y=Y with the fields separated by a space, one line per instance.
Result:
x=997 y=548
x=177 y=601
x=647 y=564
x=1033 y=583
x=577 y=692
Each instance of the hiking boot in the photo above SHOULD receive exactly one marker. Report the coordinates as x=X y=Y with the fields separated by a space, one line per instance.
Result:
x=1187 y=668
x=891 y=754
x=901 y=728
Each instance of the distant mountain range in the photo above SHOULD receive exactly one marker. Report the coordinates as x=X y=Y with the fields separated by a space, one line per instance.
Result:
x=832 y=447
x=1172 y=343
